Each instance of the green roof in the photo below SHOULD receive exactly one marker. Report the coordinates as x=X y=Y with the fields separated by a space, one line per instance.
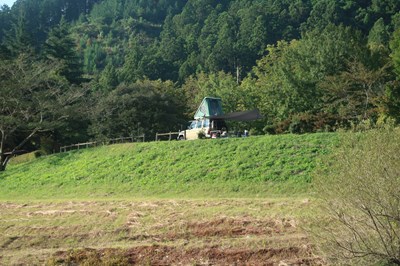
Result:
x=208 y=107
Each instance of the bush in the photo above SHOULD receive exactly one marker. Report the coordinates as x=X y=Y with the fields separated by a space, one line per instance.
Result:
x=201 y=135
x=306 y=123
x=361 y=193
x=27 y=157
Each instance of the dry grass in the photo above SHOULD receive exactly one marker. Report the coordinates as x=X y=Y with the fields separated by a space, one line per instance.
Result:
x=156 y=232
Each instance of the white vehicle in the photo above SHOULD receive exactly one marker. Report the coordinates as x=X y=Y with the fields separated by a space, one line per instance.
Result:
x=209 y=120
x=210 y=129
x=203 y=123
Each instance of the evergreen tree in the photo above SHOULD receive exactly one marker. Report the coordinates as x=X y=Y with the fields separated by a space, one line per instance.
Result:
x=108 y=78
x=18 y=39
x=61 y=46
x=378 y=37
x=5 y=23
x=133 y=68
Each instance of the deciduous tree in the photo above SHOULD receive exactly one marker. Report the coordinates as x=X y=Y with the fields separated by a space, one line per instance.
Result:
x=34 y=98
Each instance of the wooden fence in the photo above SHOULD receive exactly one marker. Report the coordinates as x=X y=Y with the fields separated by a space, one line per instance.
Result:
x=99 y=143
x=160 y=136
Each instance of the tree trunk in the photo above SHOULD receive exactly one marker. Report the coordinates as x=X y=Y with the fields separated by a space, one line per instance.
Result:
x=237 y=75
x=4 y=159
x=2 y=156
x=3 y=162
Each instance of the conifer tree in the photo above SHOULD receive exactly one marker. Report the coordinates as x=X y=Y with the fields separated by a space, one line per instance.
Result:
x=60 y=46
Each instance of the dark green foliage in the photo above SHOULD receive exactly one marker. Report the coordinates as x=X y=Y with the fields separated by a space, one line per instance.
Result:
x=35 y=98
x=5 y=22
x=307 y=65
x=194 y=35
x=60 y=47
x=18 y=39
x=135 y=67
x=144 y=107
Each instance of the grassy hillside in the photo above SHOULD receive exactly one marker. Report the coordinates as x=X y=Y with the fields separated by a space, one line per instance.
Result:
x=245 y=167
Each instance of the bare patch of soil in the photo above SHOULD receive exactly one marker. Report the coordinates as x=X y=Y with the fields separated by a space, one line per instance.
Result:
x=158 y=232
x=239 y=227
x=166 y=255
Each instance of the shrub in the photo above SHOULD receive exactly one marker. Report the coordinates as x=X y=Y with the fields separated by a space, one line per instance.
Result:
x=308 y=122
x=361 y=194
x=27 y=157
x=201 y=135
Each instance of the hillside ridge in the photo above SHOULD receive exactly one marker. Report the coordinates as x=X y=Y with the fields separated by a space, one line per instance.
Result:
x=236 y=167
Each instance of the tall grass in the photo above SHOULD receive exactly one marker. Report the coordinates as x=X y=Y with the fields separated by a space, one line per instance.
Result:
x=361 y=195
x=238 y=167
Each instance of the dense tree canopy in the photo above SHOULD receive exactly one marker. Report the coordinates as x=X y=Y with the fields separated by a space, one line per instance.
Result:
x=144 y=107
x=307 y=65
x=34 y=98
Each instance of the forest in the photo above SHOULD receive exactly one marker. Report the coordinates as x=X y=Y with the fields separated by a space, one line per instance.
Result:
x=73 y=70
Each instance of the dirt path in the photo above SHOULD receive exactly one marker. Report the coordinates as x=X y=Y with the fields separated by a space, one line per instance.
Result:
x=156 y=232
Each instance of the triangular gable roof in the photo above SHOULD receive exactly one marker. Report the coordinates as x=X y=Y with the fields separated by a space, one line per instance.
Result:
x=210 y=106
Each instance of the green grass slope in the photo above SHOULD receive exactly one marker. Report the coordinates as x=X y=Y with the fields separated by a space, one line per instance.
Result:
x=236 y=167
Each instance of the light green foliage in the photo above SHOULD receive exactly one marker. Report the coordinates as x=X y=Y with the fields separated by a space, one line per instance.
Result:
x=326 y=77
x=289 y=74
x=378 y=37
x=273 y=96
x=24 y=158
x=108 y=79
x=395 y=49
x=360 y=192
x=221 y=85
x=107 y=11
x=357 y=93
x=246 y=167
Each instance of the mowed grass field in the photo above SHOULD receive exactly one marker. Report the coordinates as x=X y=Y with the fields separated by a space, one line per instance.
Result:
x=157 y=232
x=205 y=202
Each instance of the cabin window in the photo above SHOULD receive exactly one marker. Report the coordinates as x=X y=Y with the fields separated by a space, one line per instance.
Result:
x=206 y=122
x=192 y=125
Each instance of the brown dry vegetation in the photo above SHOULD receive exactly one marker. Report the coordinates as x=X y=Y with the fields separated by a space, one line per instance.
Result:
x=156 y=232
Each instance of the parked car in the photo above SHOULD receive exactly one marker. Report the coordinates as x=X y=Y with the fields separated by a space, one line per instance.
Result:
x=209 y=120
x=211 y=128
